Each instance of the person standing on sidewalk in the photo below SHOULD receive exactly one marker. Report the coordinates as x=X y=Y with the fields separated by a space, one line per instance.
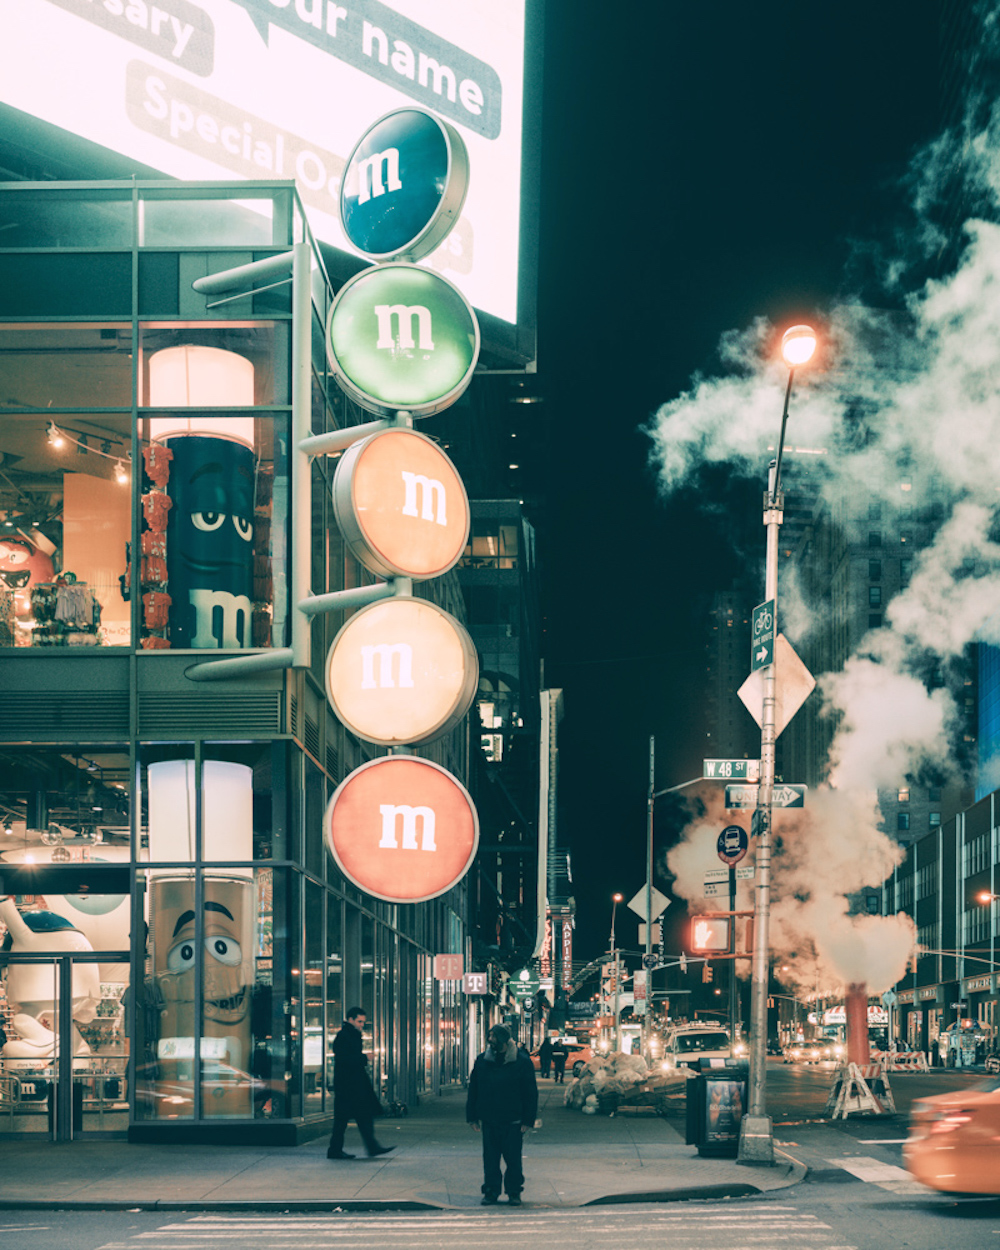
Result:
x=502 y=1104
x=353 y=1095
x=545 y=1057
x=559 y=1061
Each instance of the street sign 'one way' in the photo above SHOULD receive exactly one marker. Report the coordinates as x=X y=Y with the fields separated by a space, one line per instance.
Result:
x=743 y=798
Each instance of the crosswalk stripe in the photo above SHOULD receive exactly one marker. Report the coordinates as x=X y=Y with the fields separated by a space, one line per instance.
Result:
x=753 y=1227
x=875 y=1172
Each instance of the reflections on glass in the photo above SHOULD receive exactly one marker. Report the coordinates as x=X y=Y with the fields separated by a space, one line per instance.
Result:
x=236 y=957
x=69 y=806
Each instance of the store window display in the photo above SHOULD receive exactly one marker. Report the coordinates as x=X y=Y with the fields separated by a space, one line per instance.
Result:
x=30 y=988
x=205 y=1007
x=64 y=532
x=210 y=539
x=65 y=450
x=64 y=808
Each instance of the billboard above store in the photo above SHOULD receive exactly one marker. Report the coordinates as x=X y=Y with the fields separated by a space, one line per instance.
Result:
x=276 y=89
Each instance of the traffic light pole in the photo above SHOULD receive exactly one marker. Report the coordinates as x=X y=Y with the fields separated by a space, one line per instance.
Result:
x=733 y=992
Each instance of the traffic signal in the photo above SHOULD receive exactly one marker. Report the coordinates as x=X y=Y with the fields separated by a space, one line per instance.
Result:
x=707 y=972
x=710 y=935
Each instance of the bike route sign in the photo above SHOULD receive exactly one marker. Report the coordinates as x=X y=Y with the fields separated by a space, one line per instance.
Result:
x=762 y=636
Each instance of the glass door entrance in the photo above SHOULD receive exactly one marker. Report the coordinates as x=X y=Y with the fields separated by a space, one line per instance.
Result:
x=64 y=968
x=64 y=1051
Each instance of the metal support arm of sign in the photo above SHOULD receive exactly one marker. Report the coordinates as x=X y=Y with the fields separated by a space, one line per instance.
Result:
x=357 y=596
x=338 y=440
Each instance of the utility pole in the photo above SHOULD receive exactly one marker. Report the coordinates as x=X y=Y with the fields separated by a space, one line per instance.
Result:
x=756 y=1128
x=648 y=961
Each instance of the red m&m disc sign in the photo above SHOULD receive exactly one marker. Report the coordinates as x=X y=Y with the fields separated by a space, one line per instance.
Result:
x=403 y=829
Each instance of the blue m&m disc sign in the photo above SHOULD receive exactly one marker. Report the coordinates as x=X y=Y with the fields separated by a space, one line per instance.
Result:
x=404 y=186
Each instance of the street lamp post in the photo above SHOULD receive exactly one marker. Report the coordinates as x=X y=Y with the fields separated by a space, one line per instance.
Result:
x=615 y=900
x=756 y=1137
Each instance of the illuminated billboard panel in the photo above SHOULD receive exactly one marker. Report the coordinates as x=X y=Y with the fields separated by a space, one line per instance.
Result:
x=210 y=89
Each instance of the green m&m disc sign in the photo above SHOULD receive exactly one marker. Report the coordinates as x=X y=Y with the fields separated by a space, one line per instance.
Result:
x=402 y=339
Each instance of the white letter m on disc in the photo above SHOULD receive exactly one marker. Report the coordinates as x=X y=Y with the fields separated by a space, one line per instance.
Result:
x=410 y=817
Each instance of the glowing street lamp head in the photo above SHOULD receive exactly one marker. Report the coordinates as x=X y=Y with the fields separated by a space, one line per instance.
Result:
x=798 y=345
x=616 y=898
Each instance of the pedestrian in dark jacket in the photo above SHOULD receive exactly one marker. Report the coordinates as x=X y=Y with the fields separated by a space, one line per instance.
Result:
x=545 y=1056
x=502 y=1104
x=559 y=1054
x=353 y=1095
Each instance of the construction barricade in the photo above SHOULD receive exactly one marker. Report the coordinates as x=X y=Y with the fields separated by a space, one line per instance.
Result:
x=860 y=1088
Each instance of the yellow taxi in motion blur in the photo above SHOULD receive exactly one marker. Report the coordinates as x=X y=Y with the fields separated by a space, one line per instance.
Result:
x=954 y=1141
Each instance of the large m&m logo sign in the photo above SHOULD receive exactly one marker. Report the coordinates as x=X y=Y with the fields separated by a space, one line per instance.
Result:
x=402 y=343
x=402 y=339
x=401 y=671
x=404 y=186
x=401 y=505
x=402 y=829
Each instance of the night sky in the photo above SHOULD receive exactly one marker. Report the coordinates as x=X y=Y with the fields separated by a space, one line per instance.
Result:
x=704 y=165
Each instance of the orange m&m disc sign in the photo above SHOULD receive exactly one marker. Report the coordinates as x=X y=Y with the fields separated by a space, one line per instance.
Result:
x=403 y=829
x=401 y=505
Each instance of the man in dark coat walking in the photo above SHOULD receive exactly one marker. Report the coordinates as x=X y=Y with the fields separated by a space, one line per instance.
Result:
x=502 y=1104
x=353 y=1095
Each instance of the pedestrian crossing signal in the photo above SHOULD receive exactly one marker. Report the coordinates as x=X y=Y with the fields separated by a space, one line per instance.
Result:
x=710 y=935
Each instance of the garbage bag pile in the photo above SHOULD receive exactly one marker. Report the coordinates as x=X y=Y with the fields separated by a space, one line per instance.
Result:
x=614 y=1074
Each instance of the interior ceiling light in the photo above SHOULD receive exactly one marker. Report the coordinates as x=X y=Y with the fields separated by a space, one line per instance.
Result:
x=121 y=473
x=55 y=436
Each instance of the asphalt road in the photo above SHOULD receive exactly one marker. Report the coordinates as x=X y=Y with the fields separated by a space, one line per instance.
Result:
x=856 y=1197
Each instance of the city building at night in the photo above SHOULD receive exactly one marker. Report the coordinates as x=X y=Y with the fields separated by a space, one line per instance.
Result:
x=173 y=826
x=180 y=944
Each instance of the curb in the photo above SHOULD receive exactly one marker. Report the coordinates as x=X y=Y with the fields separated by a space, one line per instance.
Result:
x=268 y=1206
x=686 y=1193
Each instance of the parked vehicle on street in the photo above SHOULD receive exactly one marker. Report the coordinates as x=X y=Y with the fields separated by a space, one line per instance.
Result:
x=954 y=1141
x=688 y=1044
x=577 y=1055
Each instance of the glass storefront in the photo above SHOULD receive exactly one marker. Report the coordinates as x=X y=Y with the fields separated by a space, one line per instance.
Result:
x=242 y=967
x=179 y=948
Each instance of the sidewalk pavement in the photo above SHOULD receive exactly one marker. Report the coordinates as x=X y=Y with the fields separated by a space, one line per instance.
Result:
x=570 y=1160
